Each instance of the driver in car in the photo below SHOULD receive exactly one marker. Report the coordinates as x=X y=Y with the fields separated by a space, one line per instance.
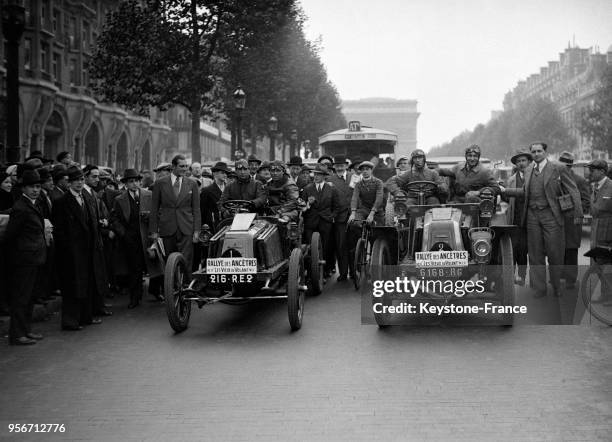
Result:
x=418 y=171
x=243 y=188
x=282 y=193
x=471 y=177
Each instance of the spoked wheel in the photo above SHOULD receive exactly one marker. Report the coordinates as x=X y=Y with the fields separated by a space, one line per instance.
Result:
x=175 y=280
x=295 y=294
x=316 y=267
x=360 y=263
x=593 y=293
x=381 y=257
x=504 y=285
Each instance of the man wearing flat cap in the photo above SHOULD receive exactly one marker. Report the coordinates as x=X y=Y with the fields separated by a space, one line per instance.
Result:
x=573 y=232
x=210 y=196
x=601 y=227
x=175 y=211
x=322 y=205
x=76 y=235
x=521 y=159
x=25 y=237
x=245 y=187
x=130 y=222
x=282 y=192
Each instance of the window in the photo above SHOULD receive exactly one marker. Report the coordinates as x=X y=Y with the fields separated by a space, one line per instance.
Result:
x=73 y=72
x=56 y=67
x=85 y=40
x=27 y=53
x=44 y=57
x=44 y=14
x=72 y=29
x=57 y=20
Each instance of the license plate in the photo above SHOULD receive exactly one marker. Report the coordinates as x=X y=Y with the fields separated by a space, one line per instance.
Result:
x=231 y=266
x=231 y=279
x=441 y=272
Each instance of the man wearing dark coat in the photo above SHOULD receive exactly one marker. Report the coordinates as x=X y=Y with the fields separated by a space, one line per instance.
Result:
x=26 y=240
x=175 y=211
x=210 y=196
x=573 y=232
x=341 y=180
x=244 y=188
x=322 y=205
x=129 y=220
x=76 y=238
x=60 y=181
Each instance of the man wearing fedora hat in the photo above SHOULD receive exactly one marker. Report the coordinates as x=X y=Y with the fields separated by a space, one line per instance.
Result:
x=210 y=196
x=521 y=159
x=25 y=236
x=322 y=205
x=130 y=222
x=295 y=166
x=573 y=232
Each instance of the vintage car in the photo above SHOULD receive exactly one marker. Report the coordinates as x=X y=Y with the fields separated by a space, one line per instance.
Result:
x=444 y=242
x=251 y=257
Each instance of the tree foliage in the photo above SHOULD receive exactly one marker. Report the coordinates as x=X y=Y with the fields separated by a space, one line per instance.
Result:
x=536 y=119
x=596 y=122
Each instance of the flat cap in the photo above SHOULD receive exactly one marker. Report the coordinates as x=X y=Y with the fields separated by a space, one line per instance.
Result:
x=598 y=164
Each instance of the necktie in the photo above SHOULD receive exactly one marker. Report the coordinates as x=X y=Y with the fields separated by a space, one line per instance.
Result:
x=595 y=192
x=177 y=187
x=135 y=196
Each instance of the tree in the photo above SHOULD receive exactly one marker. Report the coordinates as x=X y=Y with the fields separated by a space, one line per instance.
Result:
x=595 y=123
x=165 y=52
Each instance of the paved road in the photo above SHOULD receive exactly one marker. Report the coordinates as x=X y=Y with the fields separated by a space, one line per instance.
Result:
x=238 y=373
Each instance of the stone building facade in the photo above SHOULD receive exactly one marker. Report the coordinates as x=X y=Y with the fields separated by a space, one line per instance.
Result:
x=399 y=116
x=571 y=83
x=58 y=110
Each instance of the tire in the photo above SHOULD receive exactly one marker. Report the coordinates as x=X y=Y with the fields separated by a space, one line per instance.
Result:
x=381 y=256
x=177 y=309
x=316 y=269
x=389 y=212
x=360 y=254
x=295 y=296
x=587 y=286
x=505 y=286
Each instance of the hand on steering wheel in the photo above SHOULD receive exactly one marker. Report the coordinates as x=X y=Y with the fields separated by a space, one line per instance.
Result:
x=239 y=206
x=426 y=187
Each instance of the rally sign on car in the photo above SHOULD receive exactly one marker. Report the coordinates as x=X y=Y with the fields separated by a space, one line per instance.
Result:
x=442 y=258
x=219 y=266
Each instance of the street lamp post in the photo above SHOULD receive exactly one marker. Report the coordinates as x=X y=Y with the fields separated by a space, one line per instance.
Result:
x=273 y=127
x=13 y=23
x=239 y=105
x=293 y=138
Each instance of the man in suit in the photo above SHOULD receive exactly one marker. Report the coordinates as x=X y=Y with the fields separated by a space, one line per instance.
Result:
x=175 y=211
x=254 y=164
x=75 y=232
x=521 y=159
x=60 y=181
x=601 y=227
x=322 y=205
x=573 y=232
x=341 y=180
x=210 y=196
x=26 y=240
x=545 y=182
x=129 y=220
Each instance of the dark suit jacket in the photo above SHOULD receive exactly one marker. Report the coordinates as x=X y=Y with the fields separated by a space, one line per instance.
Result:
x=601 y=209
x=209 y=197
x=556 y=178
x=56 y=193
x=573 y=232
x=170 y=214
x=25 y=234
x=325 y=207
x=345 y=193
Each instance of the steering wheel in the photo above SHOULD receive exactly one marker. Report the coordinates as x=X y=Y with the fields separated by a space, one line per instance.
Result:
x=426 y=187
x=239 y=206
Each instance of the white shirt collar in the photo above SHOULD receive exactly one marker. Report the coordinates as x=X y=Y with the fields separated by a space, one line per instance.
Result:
x=174 y=178
x=30 y=199
x=76 y=194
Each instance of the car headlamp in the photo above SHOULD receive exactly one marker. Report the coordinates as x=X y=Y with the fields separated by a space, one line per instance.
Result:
x=482 y=247
x=205 y=234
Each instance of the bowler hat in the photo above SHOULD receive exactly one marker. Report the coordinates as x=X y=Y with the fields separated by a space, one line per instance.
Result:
x=366 y=164
x=325 y=157
x=522 y=152
x=321 y=170
x=340 y=159
x=566 y=157
x=30 y=177
x=44 y=173
x=74 y=173
x=598 y=164
x=355 y=162
x=295 y=161
x=130 y=174
x=220 y=166
x=253 y=158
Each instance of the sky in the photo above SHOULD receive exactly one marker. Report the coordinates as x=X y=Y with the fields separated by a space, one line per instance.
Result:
x=456 y=58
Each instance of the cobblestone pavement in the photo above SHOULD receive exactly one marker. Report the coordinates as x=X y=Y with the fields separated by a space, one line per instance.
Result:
x=238 y=373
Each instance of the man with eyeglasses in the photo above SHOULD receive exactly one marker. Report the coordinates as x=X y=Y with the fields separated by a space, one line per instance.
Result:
x=245 y=187
x=282 y=193
x=175 y=211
